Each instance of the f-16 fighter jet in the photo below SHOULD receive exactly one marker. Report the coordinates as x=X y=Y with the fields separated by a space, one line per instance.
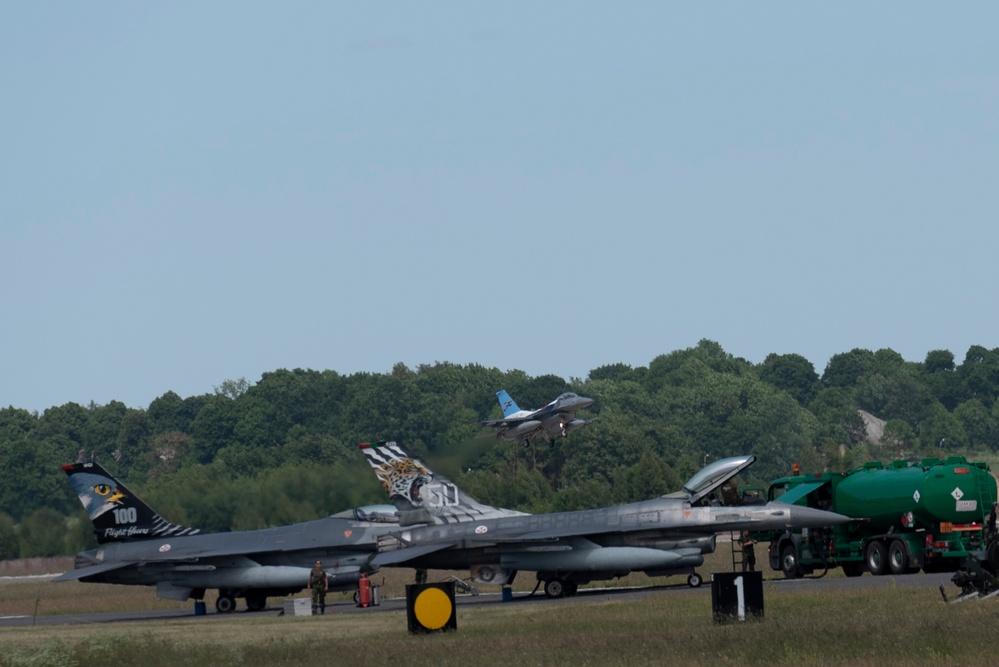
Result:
x=558 y=418
x=664 y=536
x=140 y=547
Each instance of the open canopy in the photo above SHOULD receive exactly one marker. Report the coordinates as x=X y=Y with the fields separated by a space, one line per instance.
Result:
x=713 y=475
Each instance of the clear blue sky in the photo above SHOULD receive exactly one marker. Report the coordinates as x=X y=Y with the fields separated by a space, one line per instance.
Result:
x=196 y=192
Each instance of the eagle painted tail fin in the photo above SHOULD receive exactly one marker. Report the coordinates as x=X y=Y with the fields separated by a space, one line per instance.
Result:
x=118 y=514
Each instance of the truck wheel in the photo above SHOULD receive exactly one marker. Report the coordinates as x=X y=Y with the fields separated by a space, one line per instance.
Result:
x=898 y=557
x=789 y=562
x=875 y=558
x=992 y=554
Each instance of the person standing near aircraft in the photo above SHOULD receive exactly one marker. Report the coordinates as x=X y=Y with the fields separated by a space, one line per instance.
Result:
x=748 y=553
x=319 y=585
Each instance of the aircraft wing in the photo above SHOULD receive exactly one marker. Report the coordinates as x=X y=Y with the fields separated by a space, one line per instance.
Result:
x=409 y=553
x=93 y=569
x=503 y=422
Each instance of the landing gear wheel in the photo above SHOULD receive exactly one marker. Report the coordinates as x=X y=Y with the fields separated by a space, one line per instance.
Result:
x=570 y=588
x=789 y=562
x=898 y=557
x=226 y=604
x=694 y=580
x=875 y=558
x=555 y=588
x=256 y=602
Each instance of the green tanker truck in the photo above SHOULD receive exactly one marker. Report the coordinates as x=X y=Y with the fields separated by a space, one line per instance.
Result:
x=908 y=516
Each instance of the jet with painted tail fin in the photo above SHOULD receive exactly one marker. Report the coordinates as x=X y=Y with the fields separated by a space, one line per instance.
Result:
x=663 y=536
x=558 y=418
x=139 y=547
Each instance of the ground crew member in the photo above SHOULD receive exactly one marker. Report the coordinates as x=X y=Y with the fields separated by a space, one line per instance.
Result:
x=319 y=585
x=748 y=554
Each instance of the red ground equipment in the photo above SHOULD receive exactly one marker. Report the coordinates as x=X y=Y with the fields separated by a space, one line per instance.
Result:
x=364 y=591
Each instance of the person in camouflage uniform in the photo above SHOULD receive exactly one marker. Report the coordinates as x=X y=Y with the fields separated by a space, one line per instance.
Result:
x=319 y=585
x=748 y=553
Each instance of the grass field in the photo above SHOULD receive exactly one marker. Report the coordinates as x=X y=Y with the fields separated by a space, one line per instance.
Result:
x=895 y=626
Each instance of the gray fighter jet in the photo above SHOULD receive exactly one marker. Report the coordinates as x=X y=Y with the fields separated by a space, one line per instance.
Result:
x=558 y=418
x=139 y=547
x=441 y=527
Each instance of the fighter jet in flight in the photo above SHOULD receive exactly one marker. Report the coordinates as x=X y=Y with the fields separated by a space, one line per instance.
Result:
x=664 y=536
x=558 y=418
x=140 y=547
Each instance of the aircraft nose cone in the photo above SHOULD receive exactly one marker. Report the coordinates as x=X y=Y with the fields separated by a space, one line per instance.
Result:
x=808 y=517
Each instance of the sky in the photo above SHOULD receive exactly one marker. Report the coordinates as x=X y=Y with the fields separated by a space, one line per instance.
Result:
x=197 y=192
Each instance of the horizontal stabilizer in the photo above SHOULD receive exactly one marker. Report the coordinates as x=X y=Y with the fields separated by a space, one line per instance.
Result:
x=91 y=570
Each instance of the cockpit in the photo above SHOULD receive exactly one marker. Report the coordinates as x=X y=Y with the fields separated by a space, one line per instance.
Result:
x=713 y=484
x=371 y=513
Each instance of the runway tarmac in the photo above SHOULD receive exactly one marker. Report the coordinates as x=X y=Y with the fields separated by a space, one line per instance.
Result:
x=347 y=606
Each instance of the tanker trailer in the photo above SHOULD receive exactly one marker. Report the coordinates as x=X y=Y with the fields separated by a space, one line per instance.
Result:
x=908 y=516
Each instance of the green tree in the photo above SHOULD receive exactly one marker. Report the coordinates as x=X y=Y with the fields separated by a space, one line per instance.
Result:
x=898 y=439
x=836 y=412
x=980 y=374
x=101 y=428
x=40 y=481
x=791 y=373
x=613 y=372
x=171 y=413
x=939 y=375
x=10 y=547
x=939 y=361
x=846 y=369
x=42 y=533
x=213 y=429
x=942 y=431
x=895 y=396
x=586 y=494
x=978 y=424
x=650 y=478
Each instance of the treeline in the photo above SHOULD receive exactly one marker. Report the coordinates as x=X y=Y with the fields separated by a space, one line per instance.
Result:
x=285 y=448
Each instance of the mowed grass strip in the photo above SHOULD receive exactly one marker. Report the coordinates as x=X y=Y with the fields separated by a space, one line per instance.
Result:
x=877 y=627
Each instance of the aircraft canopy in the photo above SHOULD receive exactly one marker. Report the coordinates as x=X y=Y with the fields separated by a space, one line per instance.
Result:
x=713 y=475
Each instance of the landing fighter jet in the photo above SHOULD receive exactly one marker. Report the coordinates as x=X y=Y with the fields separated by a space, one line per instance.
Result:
x=556 y=418
x=140 y=547
x=665 y=536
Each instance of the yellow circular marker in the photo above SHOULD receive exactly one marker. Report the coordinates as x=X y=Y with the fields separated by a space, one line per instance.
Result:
x=432 y=608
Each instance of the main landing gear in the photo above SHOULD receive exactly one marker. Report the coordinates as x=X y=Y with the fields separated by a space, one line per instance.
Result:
x=226 y=604
x=557 y=588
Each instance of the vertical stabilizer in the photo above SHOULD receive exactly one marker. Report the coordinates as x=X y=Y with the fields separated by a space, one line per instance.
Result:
x=420 y=494
x=117 y=514
x=506 y=403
